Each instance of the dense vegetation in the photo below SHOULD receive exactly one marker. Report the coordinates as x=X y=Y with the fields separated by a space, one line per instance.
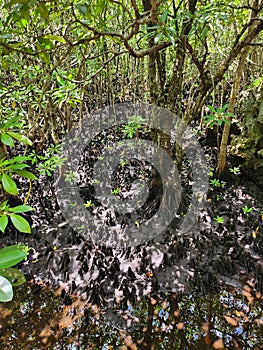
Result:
x=201 y=60
x=59 y=61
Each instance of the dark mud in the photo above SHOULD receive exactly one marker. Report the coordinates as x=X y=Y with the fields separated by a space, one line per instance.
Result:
x=211 y=258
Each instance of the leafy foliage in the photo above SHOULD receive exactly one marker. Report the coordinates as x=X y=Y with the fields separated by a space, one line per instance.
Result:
x=9 y=277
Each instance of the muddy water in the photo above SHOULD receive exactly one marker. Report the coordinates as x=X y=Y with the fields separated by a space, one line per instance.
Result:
x=38 y=319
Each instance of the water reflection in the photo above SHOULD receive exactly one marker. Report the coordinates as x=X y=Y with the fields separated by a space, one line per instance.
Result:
x=39 y=319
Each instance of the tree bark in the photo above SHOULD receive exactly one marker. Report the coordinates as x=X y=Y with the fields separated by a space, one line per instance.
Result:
x=222 y=154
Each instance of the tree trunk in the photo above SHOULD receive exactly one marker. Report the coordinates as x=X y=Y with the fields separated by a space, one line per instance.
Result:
x=222 y=154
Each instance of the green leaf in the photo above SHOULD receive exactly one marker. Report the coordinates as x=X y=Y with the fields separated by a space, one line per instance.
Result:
x=44 y=57
x=6 y=290
x=3 y=222
x=99 y=7
x=20 y=223
x=21 y=209
x=81 y=8
x=14 y=276
x=9 y=184
x=26 y=174
x=20 y=138
x=11 y=122
x=55 y=38
x=16 y=160
x=4 y=206
x=12 y=255
x=43 y=10
x=17 y=166
x=164 y=15
x=7 y=140
x=14 y=247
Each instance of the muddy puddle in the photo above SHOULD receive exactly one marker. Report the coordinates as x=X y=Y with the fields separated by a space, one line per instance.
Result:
x=38 y=318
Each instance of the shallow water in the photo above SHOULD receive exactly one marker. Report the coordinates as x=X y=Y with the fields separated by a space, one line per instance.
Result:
x=38 y=318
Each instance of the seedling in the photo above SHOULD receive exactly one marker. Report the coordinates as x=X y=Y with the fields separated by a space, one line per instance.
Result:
x=218 y=116
x=116 y=191
x=133 y=126
x=235 y=170
x=247 y=210
x=123 y=163
x=218 y=219
x=88 y=204
x=71 y=177
x=217 y=183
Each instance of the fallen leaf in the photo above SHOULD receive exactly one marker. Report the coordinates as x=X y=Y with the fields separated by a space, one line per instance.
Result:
x=231 y=321
x=180 y=325
x=219 y=344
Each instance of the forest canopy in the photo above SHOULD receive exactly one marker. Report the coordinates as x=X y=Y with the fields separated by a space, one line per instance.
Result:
x=61 y=60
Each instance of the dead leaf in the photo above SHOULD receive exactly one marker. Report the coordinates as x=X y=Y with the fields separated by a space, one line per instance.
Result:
x=180 y=325
x=219 y=344
x=231 y=321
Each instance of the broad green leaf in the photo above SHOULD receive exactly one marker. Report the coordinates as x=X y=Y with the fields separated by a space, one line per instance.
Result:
x=164 y=15
x=20 y=138
x=6 y=290
x=3 y=222
x=211 y=108
x=12 y=122
x=99 y=7
x=9 y=184
x=14 y=247
x=81 y=8
x=20 y=223
x=7 y=140
x=43 y=10
x=45 y=43
x=21 y=209
x=26 y=174
x=16 y=160
x=12 y=255
x=17 y=166
x=4 y=205
x=14 y=276
x=44 y=57
x=55 y=37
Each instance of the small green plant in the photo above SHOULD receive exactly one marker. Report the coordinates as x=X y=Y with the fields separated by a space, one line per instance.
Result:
x=10 y=276
x=219 y=219
x=217 y=183
x=95 y=182
x=115 y=191
x=132 y=128
x=47 y=163
x=70 y=177
x=235 y=170
x=123 y=163
x=88 y=204
x=218 y=116
x=247 y=210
